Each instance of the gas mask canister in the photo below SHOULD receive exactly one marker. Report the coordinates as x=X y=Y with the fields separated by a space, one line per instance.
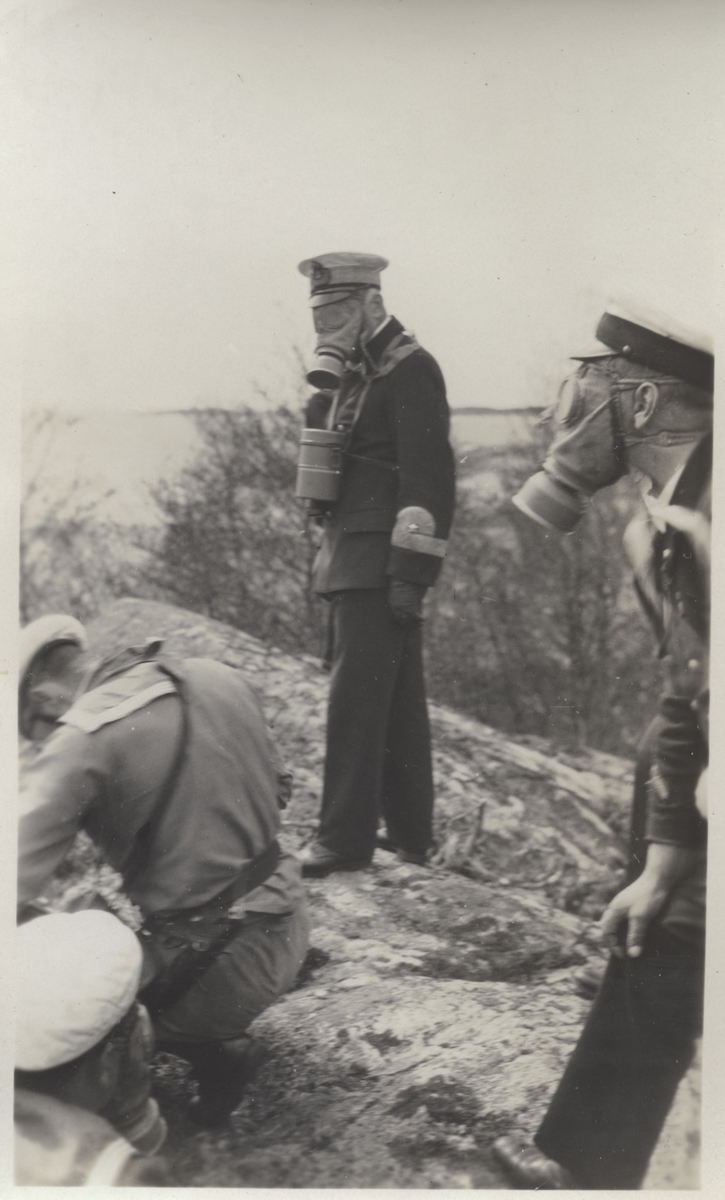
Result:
x=587 y=452
x=338 y=326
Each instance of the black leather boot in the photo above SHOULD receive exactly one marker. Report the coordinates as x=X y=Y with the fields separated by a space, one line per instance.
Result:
x=223 y=1070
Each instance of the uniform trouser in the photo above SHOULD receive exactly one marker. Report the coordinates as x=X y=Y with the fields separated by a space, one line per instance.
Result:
x=611 y=1103
x=259 y=963
x=378 y=738
x=608 y=1111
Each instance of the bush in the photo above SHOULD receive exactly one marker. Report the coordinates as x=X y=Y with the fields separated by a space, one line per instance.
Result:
x=236 y=546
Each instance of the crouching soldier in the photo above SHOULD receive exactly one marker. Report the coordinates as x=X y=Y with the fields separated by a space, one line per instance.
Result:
x=83 y=1115
x=168 y=768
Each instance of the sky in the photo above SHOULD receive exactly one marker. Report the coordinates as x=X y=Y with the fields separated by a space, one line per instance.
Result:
x=167 y=163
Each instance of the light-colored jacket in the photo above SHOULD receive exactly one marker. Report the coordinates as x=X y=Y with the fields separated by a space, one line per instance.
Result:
x=104 y=771
x=60 y=1145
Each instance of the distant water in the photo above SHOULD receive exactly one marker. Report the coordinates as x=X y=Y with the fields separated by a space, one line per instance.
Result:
x=122 y=452
x=128 y=452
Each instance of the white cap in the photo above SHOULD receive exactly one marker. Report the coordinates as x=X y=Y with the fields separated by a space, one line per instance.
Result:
x=78 y=974
x=335 y=276
x=654 y=340
x=44 y=632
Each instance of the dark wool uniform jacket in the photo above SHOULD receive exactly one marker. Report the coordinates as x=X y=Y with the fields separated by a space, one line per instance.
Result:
x=682 y=743
x=398 y=486
x=673 y=589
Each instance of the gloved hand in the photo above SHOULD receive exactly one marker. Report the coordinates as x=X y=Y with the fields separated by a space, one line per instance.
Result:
x=317 y=511
x=405 y=601
x=317 y=408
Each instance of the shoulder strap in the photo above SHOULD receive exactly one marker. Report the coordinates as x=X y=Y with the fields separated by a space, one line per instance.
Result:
x=84 y=718
x=143 y=837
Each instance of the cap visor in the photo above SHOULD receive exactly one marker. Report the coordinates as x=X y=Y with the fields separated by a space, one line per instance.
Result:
x=596 y=350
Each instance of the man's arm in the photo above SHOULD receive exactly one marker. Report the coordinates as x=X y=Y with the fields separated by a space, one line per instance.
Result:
x=56 y=789
x=680 y=756
x=426 y=477
x=675 y=828
x=644 y=899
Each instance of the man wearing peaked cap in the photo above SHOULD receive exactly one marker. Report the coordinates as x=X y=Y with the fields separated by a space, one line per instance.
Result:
x=641 y=402
x=81 y=1053
x=383 y=544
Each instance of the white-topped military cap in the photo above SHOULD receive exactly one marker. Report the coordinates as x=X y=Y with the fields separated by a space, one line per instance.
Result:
x=78 y=974
x=333 y=276
x=48 y=631
x=654 y=340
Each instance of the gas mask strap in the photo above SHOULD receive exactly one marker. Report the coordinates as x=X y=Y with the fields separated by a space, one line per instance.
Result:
x=332 y=411
x=619 y=441
x=364 y=385
x=358 y=407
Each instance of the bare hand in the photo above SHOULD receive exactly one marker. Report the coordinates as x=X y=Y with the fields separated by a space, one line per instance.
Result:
x=638 y=905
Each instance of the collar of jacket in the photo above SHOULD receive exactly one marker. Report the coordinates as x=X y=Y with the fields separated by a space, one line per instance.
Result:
x=695 y=476
x=386 y=349
x=116 y=664
x=674 y=549
x=373 y=350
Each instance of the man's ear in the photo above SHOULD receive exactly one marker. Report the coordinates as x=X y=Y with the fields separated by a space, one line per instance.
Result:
x=375 y=306
x=645 y=401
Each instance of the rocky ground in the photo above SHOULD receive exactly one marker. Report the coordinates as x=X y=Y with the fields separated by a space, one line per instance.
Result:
x=437 y=1006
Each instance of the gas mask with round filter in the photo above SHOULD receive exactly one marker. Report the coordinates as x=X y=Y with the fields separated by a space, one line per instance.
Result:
x=338 y=325
x=592 y=431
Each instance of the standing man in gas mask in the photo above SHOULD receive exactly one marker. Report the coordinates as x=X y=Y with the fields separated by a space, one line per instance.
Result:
x=383 y=545
x=641 y=404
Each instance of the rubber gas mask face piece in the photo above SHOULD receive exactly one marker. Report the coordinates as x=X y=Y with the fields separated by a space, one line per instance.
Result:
x=338 y=328
x=587 y=452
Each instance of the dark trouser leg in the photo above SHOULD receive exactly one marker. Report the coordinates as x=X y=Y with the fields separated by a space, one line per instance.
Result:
x=368 y=653
x=407 y=766
x=609 y=1108
x=207 y=1025
x=254 y=968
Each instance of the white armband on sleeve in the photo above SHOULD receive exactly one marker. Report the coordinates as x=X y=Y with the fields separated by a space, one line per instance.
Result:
x=415 y=530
